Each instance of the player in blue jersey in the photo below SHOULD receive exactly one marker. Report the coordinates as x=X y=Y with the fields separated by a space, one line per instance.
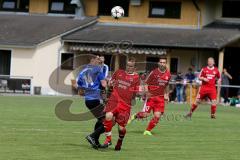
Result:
x=89 y=80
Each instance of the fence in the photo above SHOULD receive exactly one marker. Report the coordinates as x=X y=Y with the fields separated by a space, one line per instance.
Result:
x=190 y=91
x=15 y=84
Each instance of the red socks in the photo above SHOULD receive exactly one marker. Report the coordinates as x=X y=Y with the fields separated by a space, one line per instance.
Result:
x=213 y=109
x=154 y=121
x=122 y=134
x=194 y=106
x=108 y=129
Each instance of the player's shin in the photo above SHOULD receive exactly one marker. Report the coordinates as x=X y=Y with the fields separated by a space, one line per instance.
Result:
x=154 y=121
x=213 y=109
x=194 y=107
x=108 y=124
x=97 y=132
x=122 y=133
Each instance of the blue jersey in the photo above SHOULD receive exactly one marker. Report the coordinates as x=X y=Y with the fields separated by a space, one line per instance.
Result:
x=90 y=80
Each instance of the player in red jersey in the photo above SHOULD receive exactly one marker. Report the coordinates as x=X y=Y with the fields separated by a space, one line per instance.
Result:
x=208 y=75
x=118 y=108
x=156 y=84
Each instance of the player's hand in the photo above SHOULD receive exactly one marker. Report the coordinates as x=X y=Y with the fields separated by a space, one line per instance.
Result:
x=166 y=97
x=219 y=82
x=104 y=95
x=75 y=86
x=111 y=83
x=81 y=92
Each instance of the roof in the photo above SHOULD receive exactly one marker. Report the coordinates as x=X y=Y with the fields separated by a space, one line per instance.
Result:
x=223 y=23
x=31 y=30
x=111 y=49
x=206 y=38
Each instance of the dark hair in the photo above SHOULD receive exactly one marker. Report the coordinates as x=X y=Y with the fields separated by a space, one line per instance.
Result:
x=163 y=57
x=131 y=59
x=92 y=56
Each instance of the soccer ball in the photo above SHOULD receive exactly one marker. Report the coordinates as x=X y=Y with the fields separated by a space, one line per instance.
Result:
x=117 y=12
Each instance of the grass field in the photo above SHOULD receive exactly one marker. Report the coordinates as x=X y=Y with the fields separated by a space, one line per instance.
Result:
x=30 y=130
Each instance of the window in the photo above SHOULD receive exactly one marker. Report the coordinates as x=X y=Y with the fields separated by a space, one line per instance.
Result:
x=5 y=62
x=67 y=61
x=57 y=6
x=8 y=5
x=135 y=2
x=14 y=5
x=174 y=65
x=105 y=6
x=61 y=6
x=231 y=9
x=159 y=9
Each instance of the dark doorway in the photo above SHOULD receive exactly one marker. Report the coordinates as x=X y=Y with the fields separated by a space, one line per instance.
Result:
x=108 y=61
x=231 y=63
x=5 y=62
x=174 y=65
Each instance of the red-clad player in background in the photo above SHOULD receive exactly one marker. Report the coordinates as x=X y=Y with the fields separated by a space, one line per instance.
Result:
x=156 y=84
x=208 y=75
x=125 y=86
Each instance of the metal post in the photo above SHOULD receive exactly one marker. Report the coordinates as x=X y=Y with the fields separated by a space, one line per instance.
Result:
x=116 y=66
x=190 y=94
x=220 y=68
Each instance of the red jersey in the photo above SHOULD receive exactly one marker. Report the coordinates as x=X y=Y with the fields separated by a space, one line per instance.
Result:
x=125 y=86
x=212 y=74
x=157 y=82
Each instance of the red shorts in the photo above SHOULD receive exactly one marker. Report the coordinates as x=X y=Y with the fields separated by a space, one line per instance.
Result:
x=157 y=104
x=211 y=93
x=121 y=111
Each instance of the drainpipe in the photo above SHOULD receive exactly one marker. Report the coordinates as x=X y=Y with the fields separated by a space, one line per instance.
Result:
x=198 y=14
x=79 y=9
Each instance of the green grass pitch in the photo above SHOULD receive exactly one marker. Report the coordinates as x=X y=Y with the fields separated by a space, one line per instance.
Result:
x=30 y=130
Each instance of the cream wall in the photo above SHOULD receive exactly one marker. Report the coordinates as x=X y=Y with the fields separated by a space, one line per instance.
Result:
x=37 y=63
x=45 y=62
x=21 y=62
x=185 y=57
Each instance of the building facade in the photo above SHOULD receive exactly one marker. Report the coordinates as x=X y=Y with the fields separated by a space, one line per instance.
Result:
x=186 y=31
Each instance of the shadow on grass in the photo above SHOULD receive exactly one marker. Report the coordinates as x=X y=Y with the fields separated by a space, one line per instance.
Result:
x=86 y=146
